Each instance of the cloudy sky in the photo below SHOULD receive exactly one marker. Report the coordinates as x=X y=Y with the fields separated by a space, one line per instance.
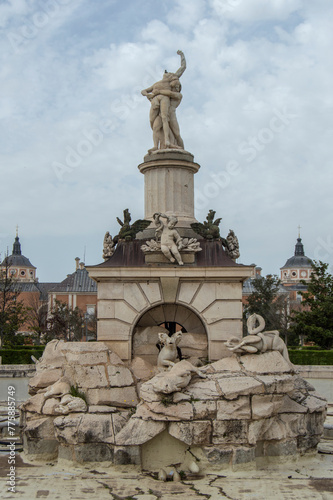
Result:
x=256 y=113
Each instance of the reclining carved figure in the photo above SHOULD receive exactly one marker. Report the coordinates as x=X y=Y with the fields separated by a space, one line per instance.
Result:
x=258 y=341
x=178 y=377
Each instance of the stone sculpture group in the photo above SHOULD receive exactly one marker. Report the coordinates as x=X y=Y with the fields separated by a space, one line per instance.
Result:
x=165 y=97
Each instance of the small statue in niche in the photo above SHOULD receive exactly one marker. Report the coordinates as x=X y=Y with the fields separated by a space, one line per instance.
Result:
x=258 y=341
x=168 y=354
x=108 y=246
x=231 y=245
x=209 y=230
x=171 y=241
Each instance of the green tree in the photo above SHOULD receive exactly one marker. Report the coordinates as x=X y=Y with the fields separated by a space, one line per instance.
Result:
x=13 y=313
x=65 y=323
x=316 y=321
x=268 y=301
x=37 y=317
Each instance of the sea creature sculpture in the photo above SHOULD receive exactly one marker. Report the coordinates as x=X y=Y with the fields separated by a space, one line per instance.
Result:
x=258 y=341
x=168 y=354
x=209 y=230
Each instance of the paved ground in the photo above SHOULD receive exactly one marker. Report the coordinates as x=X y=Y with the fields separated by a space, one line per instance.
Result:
x=308 y=478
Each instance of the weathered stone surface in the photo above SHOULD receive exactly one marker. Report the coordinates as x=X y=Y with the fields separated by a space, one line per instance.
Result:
x=124 y=397
x=198 y=433
x=291 y=406
x=119 y=376
x=101 y=409
x=145 y=413
x=180 y=396
x=237 y=409
x=115 y=359
x=50 y=405
x=229 y=431
x=119 y=420
x=42 y=449
x=267 y=362
x=93 y=452
x=142 y=369
x=243 y=455
x=34 y=404
x=53 y=356
x=218 y=454
x=40 y=429
x=138 y=431
x=314 y=404
x=230 y=364
x=204 y=409
x=90 y=377
x=125 y=455
x=280 y=384
x=83 y=347
x=194 y=344
x=148 y=394
x=203 y=389
x=283 y=448
x=66 y=427
x=237 y=386
x=88 y=358
x=44 y=379
x=264 y=406
x=180 y=411
x=59 y=388
x=94 y=428
x=71 y=404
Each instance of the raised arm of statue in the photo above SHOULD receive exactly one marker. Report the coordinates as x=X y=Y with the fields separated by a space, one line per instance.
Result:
x=182 y=68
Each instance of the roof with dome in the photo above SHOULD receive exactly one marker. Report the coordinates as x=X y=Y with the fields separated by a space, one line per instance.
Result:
x=299 y=259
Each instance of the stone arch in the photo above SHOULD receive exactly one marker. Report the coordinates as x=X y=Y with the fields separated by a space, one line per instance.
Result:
x=145 y=332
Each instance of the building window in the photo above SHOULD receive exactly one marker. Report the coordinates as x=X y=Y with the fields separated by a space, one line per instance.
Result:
x=294 y=274
x=22 y=273
x=91 y=310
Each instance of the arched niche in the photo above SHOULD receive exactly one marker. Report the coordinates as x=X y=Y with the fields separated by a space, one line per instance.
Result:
x=194 y=342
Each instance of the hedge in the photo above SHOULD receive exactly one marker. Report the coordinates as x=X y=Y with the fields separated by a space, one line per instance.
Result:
x=310 y=357
x=21 y=355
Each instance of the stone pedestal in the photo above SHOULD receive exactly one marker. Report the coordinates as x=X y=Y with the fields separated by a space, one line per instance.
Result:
x=204 y=298
x=169 y=188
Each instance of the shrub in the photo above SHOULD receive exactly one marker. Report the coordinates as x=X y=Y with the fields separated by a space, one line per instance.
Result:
x=21 y=355
x=310 y=357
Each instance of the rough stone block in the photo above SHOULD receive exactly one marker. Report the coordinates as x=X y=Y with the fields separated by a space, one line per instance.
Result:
x=45 y=449
x=237 y=386
x=204 y=409
x=102 y=409
x=243 y=455
x=87 y=358
x=192 y=433
x=90 y=377
x=93 y=452
x=291 y=406
x=226 y=309
x=180 y=411
x=283 y=448
x=230 y=364
x=40 y=429
x=280 y=384
x=218 y=455
x=307 y=443
x=94 y=429
x=43 y=379
x=267 y=362
x=264 y=406
x=50 y=405
x=230 y=431
x=34 y=404
x=237 y=409
x=119 y=376
x=66 y=428
x=138 y=431
x=119 y=420
x=125 y=455
x=203 y=389
x=123 y=397
x=314 y=404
